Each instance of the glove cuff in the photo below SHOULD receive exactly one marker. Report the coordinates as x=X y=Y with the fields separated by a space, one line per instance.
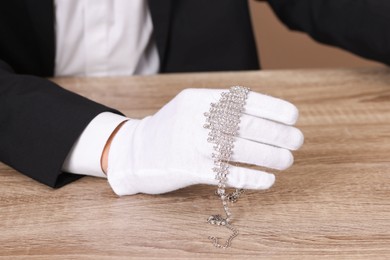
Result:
x=120 y=158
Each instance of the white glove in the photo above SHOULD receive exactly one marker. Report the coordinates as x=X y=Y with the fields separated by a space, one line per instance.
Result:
x=169 y=150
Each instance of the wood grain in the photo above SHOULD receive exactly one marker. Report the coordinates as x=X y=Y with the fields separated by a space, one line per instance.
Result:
x=333 y=203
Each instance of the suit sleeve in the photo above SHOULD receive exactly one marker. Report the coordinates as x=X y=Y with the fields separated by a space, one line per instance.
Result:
x=39 y=123
x=360 y=26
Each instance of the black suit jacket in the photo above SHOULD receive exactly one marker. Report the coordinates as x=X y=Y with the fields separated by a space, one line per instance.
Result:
x=39 y=121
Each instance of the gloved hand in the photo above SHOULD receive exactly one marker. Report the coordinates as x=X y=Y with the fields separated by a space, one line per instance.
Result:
x=169 y=150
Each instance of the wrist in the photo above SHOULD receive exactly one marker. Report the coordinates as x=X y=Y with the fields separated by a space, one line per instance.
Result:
x=106 y=149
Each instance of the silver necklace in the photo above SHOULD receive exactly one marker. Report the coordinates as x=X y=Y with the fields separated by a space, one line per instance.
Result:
x=222 y=120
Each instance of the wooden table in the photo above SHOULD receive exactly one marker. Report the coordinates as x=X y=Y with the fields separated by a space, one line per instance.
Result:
x=333 y=203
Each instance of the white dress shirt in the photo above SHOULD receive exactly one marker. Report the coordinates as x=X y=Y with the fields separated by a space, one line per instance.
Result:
x=101 y=38
x=104 y=38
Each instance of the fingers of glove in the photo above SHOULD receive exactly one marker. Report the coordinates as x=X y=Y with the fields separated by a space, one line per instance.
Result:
x=271 y=108
x=270 y=132
x=247 y=151
x=244 y=178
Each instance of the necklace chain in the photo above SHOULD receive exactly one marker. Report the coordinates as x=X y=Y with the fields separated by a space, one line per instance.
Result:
x=223 y=119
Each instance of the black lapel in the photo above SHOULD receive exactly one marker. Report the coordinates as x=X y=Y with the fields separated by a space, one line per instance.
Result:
x=42 y=18
x=160 y=11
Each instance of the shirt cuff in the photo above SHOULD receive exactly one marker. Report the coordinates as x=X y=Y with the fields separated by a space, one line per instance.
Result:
x=84 y=157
